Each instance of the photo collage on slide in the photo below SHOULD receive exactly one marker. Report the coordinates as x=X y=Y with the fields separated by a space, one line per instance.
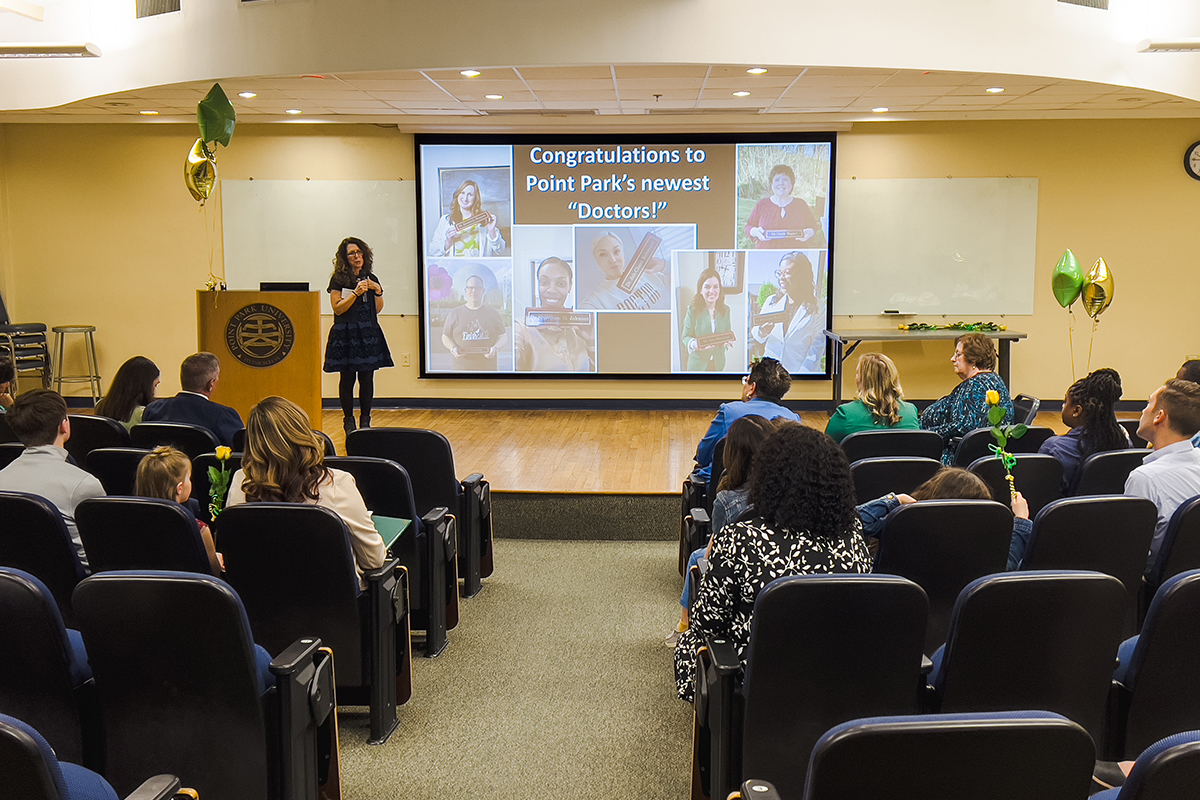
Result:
x=512 y=289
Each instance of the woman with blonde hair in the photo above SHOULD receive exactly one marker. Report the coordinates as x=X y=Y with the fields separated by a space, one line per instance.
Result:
x=284 y=462
x=880 y=403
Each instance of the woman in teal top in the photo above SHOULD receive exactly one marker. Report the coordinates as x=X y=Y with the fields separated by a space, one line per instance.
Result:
x=880 y=402
x=706 y=314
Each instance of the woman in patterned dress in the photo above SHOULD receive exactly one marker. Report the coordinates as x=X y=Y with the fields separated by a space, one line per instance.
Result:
x=805 y=523
x=966 y=409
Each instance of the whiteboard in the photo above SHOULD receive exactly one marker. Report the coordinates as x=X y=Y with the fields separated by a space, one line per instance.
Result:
x=964 y=247
x=290 y=231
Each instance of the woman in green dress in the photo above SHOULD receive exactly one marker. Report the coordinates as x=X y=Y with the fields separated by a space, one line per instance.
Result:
x=880 y=402
x=706 y=314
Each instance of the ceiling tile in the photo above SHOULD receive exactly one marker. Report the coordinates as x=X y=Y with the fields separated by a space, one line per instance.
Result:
x=565 y=73
x=661 y=71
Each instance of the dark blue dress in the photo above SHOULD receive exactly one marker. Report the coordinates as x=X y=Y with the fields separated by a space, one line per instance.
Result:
x=356 y=342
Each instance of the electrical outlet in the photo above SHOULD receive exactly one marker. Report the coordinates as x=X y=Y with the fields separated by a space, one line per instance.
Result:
x=405 y=361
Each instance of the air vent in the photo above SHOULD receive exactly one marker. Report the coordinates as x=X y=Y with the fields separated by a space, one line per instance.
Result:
x=152 y=8
x=1101 y=4
x=539 y=112
x=696 y=112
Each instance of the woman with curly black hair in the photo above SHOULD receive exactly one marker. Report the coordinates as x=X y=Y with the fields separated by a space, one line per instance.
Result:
x=805 y=523
x=1089 y=411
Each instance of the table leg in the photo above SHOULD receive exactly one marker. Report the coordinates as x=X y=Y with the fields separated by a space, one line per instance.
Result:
x=838 y=358
x=1005 y=357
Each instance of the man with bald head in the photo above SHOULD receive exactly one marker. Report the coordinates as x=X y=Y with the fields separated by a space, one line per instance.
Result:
x=474 y=333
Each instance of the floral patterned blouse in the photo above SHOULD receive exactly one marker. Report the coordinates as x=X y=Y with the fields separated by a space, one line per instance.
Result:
x=746 y=557
x=965 y=409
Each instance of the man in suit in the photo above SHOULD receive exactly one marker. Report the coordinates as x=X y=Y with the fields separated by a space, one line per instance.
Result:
x=198 y=375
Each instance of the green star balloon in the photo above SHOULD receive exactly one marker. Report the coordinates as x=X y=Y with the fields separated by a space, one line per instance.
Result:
x=1067 y=280
x=216 y=116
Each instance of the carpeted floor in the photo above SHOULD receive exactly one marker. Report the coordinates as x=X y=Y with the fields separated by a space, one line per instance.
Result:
x=555 y=685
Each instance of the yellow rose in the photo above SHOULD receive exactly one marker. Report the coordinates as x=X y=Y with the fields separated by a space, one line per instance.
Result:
x=993 y=399
x=223 y=453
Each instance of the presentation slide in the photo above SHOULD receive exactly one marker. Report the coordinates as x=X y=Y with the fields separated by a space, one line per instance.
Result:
x=638 y=256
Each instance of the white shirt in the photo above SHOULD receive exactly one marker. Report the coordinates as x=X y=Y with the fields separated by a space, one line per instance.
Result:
x=1168 y=477
x=801 y=348
x=44 y=471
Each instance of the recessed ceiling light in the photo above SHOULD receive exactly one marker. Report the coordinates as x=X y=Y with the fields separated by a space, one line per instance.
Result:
x=293 y=111
x=247 y=95
x=494 y=96
x=995 y=89
x=148 y=113
x=757 y=71
x=741 y=94
x=879 y=109
x=470 y=73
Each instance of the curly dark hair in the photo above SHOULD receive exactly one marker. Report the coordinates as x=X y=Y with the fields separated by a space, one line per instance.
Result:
x=800 y=481
x=1098 y=393
x=771 y=381
x=341 y=264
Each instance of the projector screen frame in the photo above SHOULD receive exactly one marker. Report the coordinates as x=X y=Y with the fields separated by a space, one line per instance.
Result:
x=631 y=140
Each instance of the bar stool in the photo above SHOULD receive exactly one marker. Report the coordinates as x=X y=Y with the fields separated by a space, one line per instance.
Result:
x=92 y=378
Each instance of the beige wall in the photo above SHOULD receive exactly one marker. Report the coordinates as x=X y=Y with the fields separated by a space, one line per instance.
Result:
x=97 y=228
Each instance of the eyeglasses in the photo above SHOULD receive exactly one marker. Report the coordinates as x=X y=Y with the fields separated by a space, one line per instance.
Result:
x=353 y=253
x=471 y=288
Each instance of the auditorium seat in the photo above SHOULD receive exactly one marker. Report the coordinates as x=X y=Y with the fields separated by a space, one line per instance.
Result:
x=34 y=538
x=1105 y=473
x=975 y=444
x=875 y=477
x=140 y=533
x=878 y=444
x=1156 y=687
x=1022 y=640
x=1032 y=755
x=430 y=463
x=1038 y=478
x=1109 y=534
x=182 y=686
x=1167 y=769
x=90 y=432
x=1179 y=550
x=30 y=770
x=239 y=441
x=191 y=439
x=942 y=545
x=427 y=549
x=44 y=674
x=293 y=567
x=10 y=452
x=823 y=649
x=1025 y=409
x=116 y=468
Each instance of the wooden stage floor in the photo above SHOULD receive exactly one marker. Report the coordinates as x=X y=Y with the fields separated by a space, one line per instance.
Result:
x=622 y=452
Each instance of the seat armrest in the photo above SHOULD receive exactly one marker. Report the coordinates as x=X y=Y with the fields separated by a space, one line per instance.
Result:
x=295 y=657
x=160 y=787
x=758 y=790
x=450 y=538
x=436 y=522
x=926 y=665
x=696 y=480
x=471 y=482
x=383 y=608
x=700 y=516
x=724 y=657
x=381 y=573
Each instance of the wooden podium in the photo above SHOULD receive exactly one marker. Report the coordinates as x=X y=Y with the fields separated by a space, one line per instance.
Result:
x=269 y=343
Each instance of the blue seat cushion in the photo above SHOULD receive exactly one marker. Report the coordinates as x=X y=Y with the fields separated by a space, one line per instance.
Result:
x=81 y=671
x=262 y=663
x=935 y=674
x=83 y=784
x=1107 y=794
x=1125 y=654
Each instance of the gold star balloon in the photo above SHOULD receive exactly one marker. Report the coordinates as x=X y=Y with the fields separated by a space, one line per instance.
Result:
x=200 y=171
x=1097 y=293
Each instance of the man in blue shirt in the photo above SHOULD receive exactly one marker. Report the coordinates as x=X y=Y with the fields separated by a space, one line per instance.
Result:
x=1171 y=474
x=762 y=391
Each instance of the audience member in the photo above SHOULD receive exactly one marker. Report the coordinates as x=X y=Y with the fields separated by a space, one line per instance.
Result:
x=1190 y=371
x=284 y=462
x=746 y=435
x=39 y=419
x=804 y=522
x=965 y=408
x=880 y=402
x=166 y=473
x=1089 y=411
x=762 y=391
x=198 y=375
x=1171 y=474
x=7 y=375
x=131 y=391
